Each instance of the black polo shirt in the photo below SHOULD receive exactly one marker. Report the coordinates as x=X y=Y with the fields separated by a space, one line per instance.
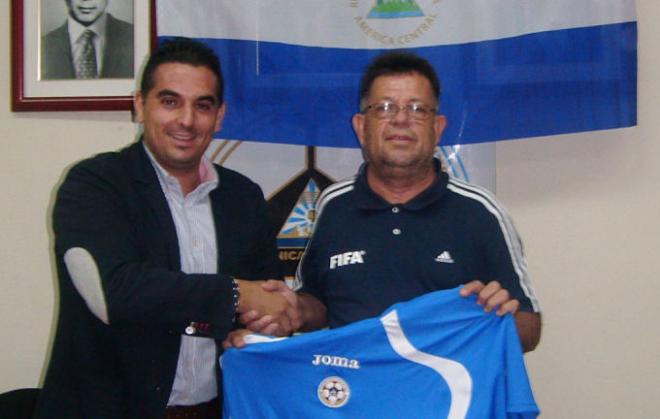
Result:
x=366 y=254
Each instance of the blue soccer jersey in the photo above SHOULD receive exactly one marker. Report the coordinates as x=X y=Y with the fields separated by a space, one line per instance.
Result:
x=436 y=356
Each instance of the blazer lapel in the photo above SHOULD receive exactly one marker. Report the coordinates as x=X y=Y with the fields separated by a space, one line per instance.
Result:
x=150 y=191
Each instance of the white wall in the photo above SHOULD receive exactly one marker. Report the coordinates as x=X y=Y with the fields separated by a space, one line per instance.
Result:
x=587 y=206
x=35 y=149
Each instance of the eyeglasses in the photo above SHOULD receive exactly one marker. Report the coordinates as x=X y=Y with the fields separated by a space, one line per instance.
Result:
x=388 y=110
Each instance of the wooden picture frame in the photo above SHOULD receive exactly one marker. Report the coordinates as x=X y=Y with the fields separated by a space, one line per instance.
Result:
x=32 y=92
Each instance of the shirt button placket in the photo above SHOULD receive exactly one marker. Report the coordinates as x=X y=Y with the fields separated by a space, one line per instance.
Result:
x=396 y=231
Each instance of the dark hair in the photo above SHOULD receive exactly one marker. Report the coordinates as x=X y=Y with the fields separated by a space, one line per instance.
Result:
x=395 y=63
x=184 y=51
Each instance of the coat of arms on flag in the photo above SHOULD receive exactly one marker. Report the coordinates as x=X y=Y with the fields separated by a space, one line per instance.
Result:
x=389 y=9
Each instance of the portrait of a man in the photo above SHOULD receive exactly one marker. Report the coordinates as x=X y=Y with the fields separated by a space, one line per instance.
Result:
x=91 y=43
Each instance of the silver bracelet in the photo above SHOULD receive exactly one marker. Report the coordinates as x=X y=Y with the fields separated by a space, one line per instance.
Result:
x=236 y=295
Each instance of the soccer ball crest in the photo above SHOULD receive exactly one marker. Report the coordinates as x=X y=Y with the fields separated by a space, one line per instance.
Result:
x=334 y=392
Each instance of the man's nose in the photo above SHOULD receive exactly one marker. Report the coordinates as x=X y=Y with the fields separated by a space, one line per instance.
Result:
x=187 y=116
x=401 y=116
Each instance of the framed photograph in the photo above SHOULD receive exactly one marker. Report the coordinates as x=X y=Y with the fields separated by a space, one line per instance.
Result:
x=78 y=55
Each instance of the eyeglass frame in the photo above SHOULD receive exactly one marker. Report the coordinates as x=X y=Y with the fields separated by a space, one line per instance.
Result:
x=396 y=109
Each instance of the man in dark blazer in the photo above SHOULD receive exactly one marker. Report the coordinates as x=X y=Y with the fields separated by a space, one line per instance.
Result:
x=114 y=42
x=158 y=252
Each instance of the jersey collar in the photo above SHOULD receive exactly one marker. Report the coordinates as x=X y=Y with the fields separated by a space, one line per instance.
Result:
x=367 y=199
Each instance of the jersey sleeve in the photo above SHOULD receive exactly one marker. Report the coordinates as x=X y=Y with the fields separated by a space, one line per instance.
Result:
x=520 y=403
x=505 y=257
x=307 y=272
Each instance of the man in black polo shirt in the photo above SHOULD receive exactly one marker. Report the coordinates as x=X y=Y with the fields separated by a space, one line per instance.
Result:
x=402 y=227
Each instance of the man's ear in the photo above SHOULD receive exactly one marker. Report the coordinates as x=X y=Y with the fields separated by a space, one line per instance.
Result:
x=439 y=126
x=220 y=116
x=358 y=127
x=138 y=105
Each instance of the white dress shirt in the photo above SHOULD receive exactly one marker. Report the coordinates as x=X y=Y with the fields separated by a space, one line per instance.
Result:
x=195 y=381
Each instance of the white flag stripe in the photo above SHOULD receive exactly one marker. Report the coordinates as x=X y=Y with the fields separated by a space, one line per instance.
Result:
x=339 y=24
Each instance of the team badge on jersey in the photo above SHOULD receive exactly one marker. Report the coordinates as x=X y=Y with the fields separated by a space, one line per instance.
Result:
x=334 y=392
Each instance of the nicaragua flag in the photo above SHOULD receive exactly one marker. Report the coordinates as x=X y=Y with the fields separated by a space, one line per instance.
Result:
x=509 y=68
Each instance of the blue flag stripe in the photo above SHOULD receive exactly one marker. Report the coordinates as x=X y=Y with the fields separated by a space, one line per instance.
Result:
x=531 y=85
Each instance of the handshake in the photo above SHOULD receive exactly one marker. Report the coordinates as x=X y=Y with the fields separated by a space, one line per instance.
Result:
x=269 y=307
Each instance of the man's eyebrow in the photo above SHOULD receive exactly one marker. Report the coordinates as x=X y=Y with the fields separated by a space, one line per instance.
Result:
x=209 y=98
x=205 y=98
x=392 y=99
x=167 y=92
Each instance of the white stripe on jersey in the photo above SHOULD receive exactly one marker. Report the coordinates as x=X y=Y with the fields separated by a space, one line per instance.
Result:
x=332 y=192
x=508 y=230
x=328 y=194
x=462 y=188
x=456 y=376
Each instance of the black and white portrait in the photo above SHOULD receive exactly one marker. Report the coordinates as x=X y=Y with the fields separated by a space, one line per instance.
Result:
x=86 y=39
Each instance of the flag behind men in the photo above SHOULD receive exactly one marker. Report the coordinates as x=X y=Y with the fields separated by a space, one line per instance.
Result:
x=510 y=69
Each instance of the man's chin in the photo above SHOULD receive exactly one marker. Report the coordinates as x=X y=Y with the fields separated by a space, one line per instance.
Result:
x=404 y=162
x=86 y=20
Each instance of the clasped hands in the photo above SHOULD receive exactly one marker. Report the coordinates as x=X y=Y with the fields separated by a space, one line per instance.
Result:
x=276 y=311
x=269 y=307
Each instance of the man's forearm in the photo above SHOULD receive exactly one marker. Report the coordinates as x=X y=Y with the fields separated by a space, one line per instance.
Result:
x=529 y=329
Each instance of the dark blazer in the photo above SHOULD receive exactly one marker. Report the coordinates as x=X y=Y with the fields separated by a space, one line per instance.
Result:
x=112 y=205
x=57 y=58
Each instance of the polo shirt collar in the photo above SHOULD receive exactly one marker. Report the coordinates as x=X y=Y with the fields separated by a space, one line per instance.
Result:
x=367 y=199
